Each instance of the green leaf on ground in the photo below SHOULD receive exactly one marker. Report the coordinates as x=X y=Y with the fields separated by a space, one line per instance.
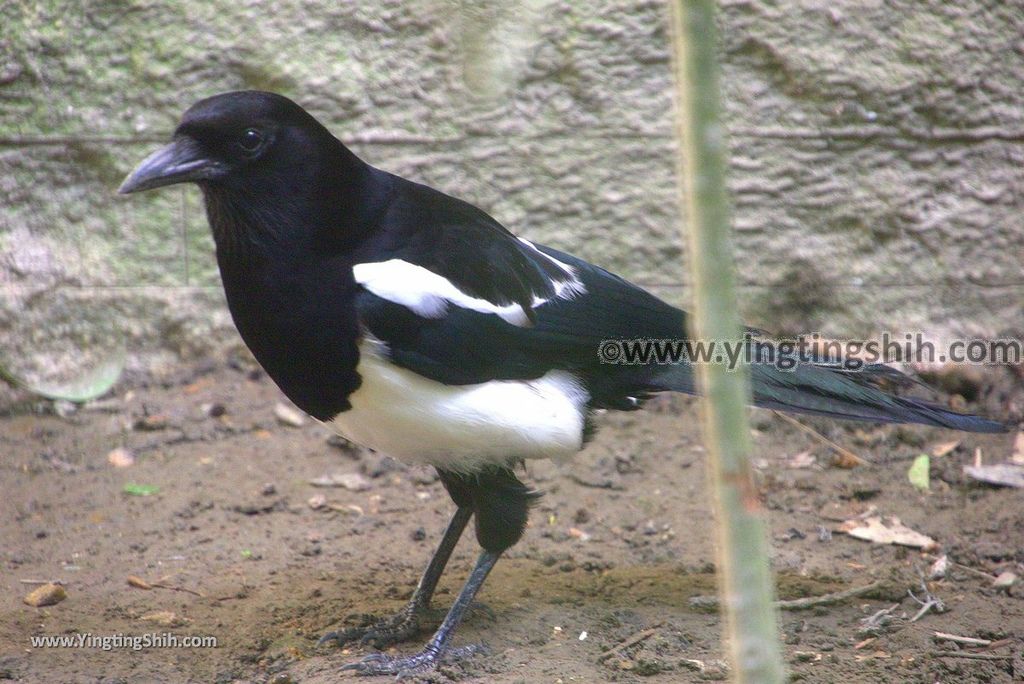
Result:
x=140 y=489
x=918 y=473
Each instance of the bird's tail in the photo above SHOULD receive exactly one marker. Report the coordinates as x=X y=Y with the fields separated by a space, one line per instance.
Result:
x=827 y=389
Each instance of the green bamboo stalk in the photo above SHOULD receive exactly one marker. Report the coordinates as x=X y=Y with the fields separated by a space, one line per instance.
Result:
x=745 y=582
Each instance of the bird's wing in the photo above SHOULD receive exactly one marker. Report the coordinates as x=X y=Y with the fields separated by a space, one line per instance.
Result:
x=436 y=251
x=473 y=303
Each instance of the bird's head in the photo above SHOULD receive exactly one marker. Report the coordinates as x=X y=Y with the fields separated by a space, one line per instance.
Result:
x=233 y=140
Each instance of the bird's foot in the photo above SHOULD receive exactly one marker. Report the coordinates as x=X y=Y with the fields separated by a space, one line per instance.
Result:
x=411 y=666
x=380 y=632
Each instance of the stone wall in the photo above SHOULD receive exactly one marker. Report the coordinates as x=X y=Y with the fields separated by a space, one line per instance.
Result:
x=877 y=149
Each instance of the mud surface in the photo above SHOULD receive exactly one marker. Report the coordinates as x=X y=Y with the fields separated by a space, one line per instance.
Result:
x=618 y=547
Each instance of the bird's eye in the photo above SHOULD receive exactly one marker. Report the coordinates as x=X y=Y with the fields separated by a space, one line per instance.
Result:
x=250 y=140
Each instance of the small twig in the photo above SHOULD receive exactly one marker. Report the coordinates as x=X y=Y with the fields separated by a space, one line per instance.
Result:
x=346 y=508
x=139 y=583
x=970 y=641
x=930 y=602
x=972 y=656
x=826 y=599
x=628 y=643
x=173 y=588
x=874 y=623
x=925 y=607
x=974 y=571
x=42 y=581
x=841 y=450
x=1000 y=643
x=709 y=602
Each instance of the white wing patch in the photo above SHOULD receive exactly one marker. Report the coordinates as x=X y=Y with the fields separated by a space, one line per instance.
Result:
x=428 y=294
x=564 y=289
x=425 y=292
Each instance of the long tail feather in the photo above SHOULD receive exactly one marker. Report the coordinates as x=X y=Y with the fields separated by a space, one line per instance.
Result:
x=825 y=390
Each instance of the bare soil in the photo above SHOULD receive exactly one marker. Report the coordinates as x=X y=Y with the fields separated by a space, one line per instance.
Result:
x=600 y=589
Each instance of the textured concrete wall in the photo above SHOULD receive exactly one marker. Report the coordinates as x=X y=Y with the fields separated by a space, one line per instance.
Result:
x=877 y=148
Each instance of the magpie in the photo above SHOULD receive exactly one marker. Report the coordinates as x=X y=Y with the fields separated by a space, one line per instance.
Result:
x=413 y=323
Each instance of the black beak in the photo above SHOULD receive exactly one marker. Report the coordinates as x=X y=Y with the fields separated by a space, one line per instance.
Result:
x=182 y=161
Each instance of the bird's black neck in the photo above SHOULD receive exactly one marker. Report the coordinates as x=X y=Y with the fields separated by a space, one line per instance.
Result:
x=284 y=246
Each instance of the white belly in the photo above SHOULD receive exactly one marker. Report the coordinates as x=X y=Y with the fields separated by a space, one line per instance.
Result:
x=409 y=417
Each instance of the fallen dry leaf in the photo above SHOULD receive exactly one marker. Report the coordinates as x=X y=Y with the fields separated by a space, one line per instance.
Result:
x=1017 y=455
x=888 y=531
x=138 y=582
x=1003 y=474
x=165 y=618
x=944 y=448
x=847 y=460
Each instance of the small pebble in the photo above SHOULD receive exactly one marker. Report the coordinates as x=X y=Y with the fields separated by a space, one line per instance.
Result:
x=1005 y=580
x=354 y=482
x=121 y=457
x=46 y=595
x=286 y=415
x=419 y=534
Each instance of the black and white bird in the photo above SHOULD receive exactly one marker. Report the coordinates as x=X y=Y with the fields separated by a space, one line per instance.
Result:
x=415 y=324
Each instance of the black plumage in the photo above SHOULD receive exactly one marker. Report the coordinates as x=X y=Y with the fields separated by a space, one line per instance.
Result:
x=404 y=316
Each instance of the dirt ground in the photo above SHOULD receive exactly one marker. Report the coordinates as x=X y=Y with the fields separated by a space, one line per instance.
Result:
x=599 y=590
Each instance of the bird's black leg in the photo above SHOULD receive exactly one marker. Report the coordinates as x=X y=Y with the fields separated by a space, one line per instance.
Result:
x=437 y=649
x=500 y=503
x=405 y=622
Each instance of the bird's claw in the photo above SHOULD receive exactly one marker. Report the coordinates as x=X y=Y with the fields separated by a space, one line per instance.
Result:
x=426 y=660
x=381 y=632
x=401 y=667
